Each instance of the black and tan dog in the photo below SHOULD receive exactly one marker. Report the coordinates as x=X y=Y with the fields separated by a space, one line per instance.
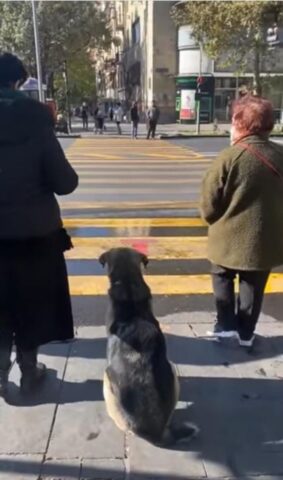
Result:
x=141 y=387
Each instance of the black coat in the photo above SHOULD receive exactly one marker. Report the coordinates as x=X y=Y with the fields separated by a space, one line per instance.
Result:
x=34 y=292
x=134 y=114
x=33 y=168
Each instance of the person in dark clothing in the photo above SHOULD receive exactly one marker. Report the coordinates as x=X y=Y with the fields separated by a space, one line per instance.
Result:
x=85 y=116
x=99 y=119
x=35 y=303
x=153 y=117
x=135 y=119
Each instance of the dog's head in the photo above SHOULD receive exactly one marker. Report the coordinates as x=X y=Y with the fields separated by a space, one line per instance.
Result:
x=124 y=271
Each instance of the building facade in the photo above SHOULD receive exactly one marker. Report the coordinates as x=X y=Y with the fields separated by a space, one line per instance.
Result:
x=152 y=59
x=141 y=64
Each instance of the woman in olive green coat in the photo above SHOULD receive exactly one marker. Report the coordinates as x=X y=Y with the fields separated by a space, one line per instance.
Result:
x=242 y=202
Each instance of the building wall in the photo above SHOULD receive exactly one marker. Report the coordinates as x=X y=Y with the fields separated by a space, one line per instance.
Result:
x=156 y=52
x=164 y=59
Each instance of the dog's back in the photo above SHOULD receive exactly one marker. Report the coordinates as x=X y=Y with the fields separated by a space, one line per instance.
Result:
x=142 y=379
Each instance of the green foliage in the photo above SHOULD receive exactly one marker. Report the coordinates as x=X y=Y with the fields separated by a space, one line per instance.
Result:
x=69 y=32
x=235 y=31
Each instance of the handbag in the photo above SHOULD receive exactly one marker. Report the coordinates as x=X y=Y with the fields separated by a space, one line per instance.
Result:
x=262 y=158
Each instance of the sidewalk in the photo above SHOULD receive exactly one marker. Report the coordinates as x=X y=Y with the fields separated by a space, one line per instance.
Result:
x=235 y=397
x=172 y=129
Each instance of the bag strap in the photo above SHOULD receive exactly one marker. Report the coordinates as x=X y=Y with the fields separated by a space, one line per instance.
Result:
x=262 y=158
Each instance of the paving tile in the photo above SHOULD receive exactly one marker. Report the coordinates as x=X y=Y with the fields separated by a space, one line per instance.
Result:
x=149 y=461
x=20 y=413
x=20 y=467
x=82 y=408
x=188 y=318
x=63 y=469
x=254 y=462
x=103 y=470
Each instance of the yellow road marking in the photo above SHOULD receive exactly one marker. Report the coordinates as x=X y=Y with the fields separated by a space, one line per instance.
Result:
x=95 y=155
x=140 y=180
x=119 y=141
x=132 y=157
x=171 y=167
x=133 y=222
x=128 y=205
x=157 y=247
x=165 y=155
x=163 y=285
x=134 y=162
x=101 y=189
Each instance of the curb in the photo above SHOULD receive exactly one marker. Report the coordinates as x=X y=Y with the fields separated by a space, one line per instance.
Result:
x=192 y=135
x=72 y=135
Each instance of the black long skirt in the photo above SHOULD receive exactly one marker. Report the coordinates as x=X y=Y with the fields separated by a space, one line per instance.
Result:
x=34 y=291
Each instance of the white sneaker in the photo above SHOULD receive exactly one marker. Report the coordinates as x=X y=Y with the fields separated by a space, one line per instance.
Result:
x=246 y=343
x=218 y=332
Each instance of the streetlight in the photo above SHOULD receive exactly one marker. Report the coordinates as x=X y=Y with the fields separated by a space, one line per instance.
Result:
x=37 y=52
x=66 y=80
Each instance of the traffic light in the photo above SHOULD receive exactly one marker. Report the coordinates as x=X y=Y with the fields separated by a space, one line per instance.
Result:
x=272 y=37
x=200 y=82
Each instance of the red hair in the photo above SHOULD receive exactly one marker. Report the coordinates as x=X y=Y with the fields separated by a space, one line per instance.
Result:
x=253 y=115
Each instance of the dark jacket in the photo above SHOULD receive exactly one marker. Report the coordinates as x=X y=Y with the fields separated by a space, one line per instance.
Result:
x=33 y=168
x=134 y=114
x=242 y=201
x=153 y=114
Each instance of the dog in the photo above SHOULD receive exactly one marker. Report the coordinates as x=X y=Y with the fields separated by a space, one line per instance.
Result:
x=140 y=385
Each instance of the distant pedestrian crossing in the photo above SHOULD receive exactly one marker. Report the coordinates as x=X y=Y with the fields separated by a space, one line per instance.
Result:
x=100 y=216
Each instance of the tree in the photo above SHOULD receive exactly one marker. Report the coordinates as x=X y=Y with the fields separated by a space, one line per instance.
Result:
x=235 y=31
x=69 y=34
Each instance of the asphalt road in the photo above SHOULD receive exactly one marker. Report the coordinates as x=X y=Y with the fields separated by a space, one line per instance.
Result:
x=142 y=194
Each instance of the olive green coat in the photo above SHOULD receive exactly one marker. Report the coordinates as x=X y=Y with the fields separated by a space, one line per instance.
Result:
x=242 y=201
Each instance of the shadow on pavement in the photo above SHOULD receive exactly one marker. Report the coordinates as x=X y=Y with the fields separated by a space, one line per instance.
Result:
x=66 y=471
x=240 y=421
x=189 y=350
x=57 y=391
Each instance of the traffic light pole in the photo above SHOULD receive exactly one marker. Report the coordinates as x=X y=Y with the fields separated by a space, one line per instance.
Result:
x=198 y=102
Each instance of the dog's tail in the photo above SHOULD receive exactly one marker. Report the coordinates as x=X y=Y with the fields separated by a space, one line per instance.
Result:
x=175 y=433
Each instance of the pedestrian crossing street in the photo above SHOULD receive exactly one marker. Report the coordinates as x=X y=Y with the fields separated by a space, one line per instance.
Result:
x=140 y=194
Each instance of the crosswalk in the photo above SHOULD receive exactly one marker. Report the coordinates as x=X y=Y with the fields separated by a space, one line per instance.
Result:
x=131 y=194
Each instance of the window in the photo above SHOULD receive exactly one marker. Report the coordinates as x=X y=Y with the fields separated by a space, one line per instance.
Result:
x=136 y=32
x=120 y=14
x=189 y=62
x=185 y=39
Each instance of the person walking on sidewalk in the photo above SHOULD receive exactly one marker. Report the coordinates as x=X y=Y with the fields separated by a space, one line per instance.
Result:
x=35 y=305
x=84 y=113
x=153 y=117
x=242 y=198
x=135 y=119
x=99 y=119
x=118 y=116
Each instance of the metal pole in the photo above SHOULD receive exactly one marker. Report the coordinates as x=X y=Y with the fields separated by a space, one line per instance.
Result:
x=237 y=87
x=198 y=102
x=66 y=78
x=37 y=52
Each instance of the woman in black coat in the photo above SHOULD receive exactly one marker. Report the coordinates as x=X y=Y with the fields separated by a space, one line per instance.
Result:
x=35 y=303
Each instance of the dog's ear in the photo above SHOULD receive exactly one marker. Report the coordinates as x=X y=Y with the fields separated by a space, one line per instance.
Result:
x=143 y=258
x=103 y=259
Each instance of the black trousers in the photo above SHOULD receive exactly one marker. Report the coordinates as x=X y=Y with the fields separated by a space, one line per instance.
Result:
x=241 y=314
x=151 y=128
x=26 y=358
x=85 y=123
